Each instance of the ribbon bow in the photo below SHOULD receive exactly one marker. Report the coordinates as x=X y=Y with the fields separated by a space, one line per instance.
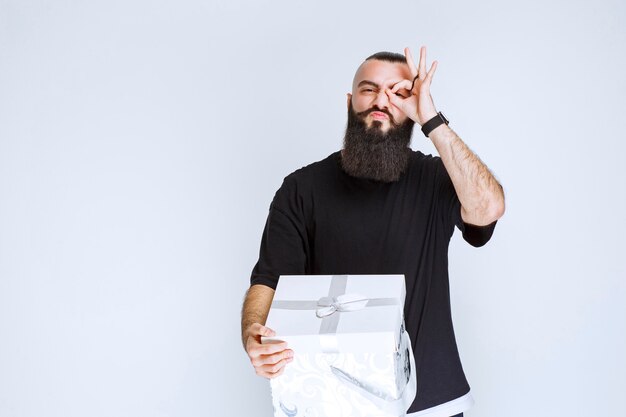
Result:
x=341 y=303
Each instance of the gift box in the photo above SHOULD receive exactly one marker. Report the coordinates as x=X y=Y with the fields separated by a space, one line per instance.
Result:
x=352 y=355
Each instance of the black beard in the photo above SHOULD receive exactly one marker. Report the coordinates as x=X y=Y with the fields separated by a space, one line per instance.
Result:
x=371 y=154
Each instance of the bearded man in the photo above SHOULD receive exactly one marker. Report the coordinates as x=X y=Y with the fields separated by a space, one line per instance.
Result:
x=378 y=207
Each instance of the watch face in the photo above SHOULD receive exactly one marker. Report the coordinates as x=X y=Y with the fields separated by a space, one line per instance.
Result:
x=444 y=117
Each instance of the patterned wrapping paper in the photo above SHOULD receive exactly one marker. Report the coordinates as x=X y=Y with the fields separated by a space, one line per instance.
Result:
x=325 y=381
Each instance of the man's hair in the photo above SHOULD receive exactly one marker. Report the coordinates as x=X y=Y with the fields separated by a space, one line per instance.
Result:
x=387 y=56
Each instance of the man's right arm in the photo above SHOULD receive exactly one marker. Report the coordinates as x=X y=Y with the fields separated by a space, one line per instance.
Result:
x=268 y=359
x=256 y=307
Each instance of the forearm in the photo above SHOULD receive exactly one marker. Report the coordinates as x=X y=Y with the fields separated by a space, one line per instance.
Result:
x=256 y=307
x=480 y=194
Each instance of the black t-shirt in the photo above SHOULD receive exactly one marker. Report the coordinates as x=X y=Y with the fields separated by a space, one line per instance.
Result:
x=323 y=221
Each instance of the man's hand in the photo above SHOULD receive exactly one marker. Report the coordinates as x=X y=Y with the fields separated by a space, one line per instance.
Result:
x=268 y=359
x=418 y=104
x=480 y=194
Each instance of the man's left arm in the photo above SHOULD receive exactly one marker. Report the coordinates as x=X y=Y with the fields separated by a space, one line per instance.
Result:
x=480 y=194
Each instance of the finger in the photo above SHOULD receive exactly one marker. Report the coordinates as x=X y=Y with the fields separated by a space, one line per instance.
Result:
x=258 y=329
x=394 y=99
x=406 y=84
x=257 y=349
x=410 y=62
x=273 y=368
x=270 y=348
x=266 y=331
x=429 y=77
x=422 y=63
x=279 y=373
x=272 y=359
x=271 y=375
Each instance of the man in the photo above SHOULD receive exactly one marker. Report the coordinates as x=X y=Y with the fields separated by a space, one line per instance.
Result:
x=377 y=207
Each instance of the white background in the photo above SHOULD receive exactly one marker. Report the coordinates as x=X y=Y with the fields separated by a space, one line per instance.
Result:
x=141 y=143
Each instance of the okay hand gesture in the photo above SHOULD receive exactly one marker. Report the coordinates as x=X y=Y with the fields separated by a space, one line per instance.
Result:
x=418 y=105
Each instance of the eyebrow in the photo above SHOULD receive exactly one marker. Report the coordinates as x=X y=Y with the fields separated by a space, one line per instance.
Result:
x=367 y=82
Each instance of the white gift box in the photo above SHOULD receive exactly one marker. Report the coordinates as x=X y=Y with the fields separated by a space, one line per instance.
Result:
x=352 y=356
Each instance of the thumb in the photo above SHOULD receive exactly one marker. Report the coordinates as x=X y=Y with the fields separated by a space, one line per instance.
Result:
x=266 y=331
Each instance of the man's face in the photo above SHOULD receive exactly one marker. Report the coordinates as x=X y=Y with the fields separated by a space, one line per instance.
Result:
x=369 y=100
x=378 y=134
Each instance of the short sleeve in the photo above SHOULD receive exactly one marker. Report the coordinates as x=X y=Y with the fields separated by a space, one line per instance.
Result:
x=478 y=235
x=283 y=243
x=451 y=210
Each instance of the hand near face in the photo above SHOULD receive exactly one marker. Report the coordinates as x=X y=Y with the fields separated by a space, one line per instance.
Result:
x=417 y=103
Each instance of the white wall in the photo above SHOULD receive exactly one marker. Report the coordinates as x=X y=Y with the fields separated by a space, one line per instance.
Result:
x=141 y=143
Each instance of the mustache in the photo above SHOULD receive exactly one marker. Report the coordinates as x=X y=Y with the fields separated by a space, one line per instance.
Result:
x=376 y=108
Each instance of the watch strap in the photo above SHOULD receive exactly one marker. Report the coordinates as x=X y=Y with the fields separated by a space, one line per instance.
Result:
x=433 y=123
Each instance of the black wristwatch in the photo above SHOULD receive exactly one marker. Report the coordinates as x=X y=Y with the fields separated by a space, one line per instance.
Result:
x=433 y=123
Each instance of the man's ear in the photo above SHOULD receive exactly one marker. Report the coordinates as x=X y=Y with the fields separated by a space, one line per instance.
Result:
x=349 y=98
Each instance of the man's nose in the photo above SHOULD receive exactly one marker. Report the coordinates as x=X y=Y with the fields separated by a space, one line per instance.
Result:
x=382 y=101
